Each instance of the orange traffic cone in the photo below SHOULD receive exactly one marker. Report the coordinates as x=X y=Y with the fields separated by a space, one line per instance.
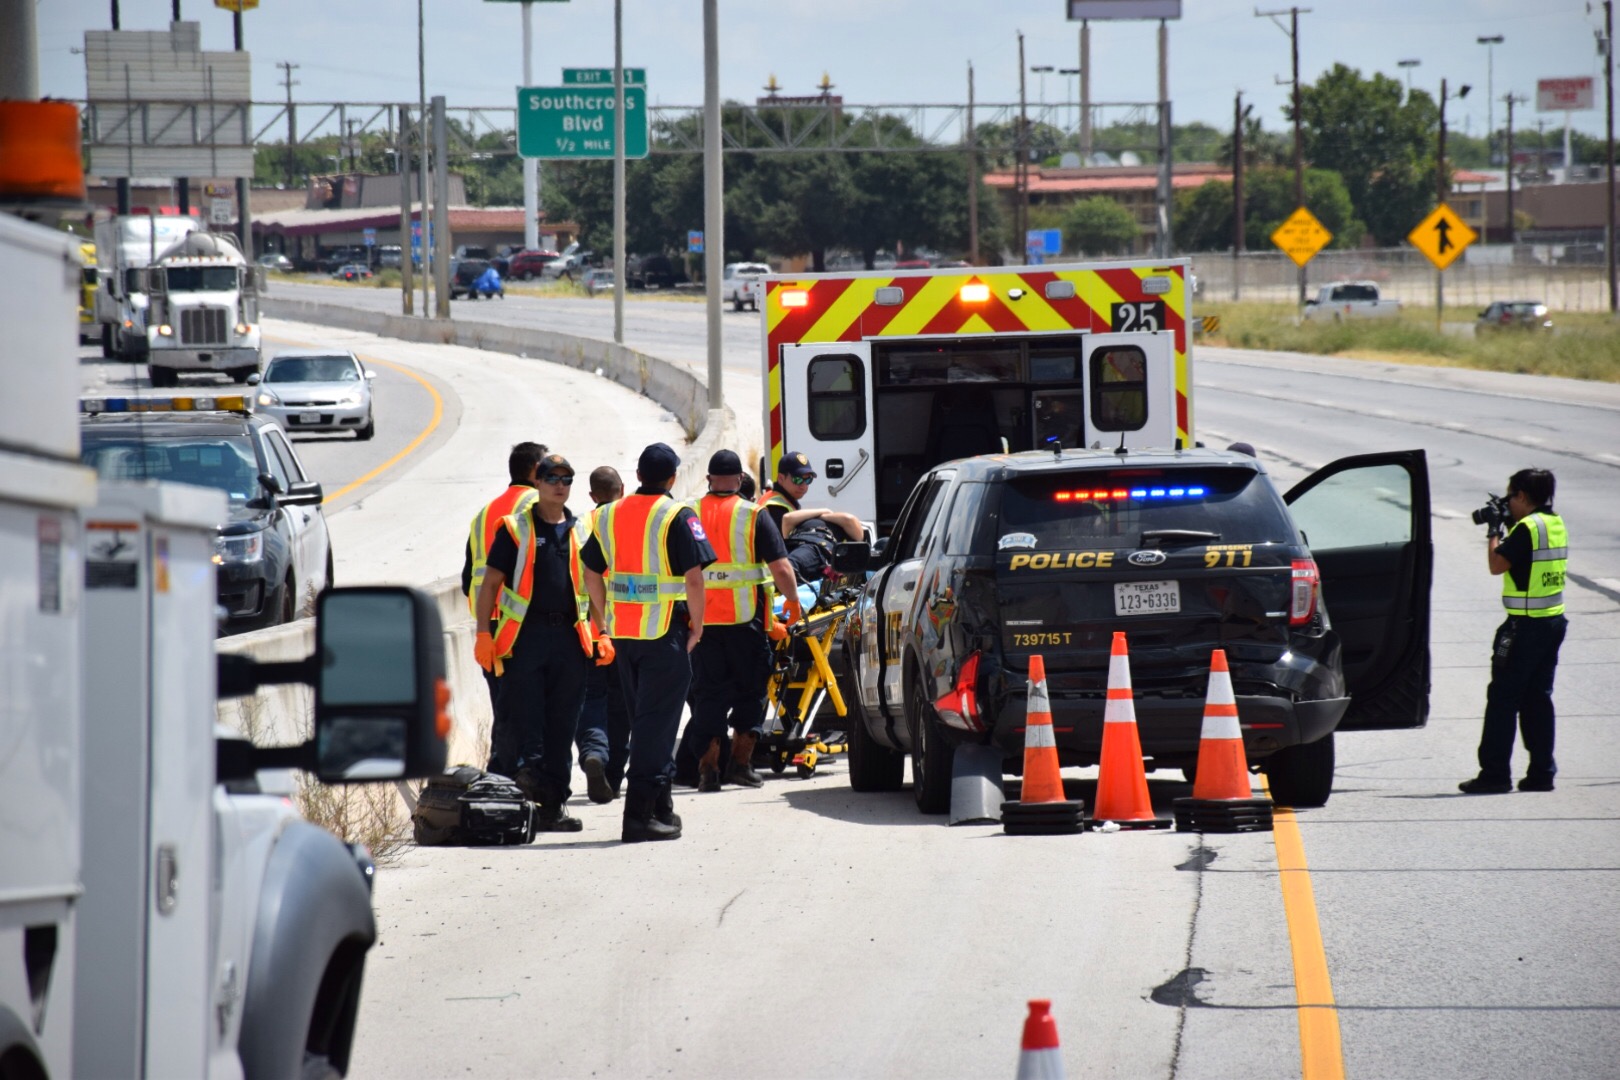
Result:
x=1122 y=795
x=1040 y=1058
x=1222 y=800
x=1042 y=807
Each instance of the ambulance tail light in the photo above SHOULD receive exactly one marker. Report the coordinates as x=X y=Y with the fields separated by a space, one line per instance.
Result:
x=974 y=292
x=794 y=298
x=960 y=707
x=1306 y=582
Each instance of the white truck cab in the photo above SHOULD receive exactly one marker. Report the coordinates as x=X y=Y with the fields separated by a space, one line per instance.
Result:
x=203 y=310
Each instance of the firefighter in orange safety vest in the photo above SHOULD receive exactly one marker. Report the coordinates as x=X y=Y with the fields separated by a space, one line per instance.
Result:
x=732 y=665
x=542 y=645
x=521 y=464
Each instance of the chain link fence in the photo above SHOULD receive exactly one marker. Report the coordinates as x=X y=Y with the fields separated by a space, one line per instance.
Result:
x=1482 y=274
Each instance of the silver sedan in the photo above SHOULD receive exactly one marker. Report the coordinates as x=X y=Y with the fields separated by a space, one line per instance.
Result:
x=312 y=390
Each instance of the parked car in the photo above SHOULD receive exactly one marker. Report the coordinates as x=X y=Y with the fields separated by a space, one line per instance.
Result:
x=339 y=257
x=528 y=265
x=651 y=272
x=1320 y=599
x=273 y=554
x=352 y=272
x=277 y=262
x=317 y=390
x=463 y=275
x=1341 y=300
x=390 y=256
x=573 y=261
x=596 y=281
x=1514 y=315
x=742 y=285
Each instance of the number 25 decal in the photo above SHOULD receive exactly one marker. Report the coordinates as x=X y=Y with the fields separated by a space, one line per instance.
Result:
x=1137 y=317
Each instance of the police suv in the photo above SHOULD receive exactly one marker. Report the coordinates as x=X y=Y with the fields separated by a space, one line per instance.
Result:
x=1320 y=599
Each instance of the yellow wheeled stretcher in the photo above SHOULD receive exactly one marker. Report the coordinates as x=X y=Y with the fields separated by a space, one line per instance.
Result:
x=802 y=680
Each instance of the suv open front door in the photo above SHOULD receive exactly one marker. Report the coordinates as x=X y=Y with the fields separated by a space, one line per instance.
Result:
x=828 y=417
x=1366 y=520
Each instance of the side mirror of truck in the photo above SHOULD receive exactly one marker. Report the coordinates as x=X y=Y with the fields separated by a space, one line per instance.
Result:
x=153 y=281
x=381 y=696
x=302 y=493
x=851 y=557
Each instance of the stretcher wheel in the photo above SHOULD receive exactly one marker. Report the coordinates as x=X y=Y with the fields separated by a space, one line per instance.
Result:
x=805 y=771
x=779 y=762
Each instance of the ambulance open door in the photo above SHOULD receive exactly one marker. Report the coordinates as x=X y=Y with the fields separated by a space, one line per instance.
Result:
x=1130 y=389
x=827 y=416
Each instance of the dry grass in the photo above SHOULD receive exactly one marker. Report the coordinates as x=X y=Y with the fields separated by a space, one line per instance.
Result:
x=369 y=814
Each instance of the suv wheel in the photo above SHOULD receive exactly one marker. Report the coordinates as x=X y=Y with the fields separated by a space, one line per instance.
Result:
x=930 y=756
x=872 y=766
x=1302 y=776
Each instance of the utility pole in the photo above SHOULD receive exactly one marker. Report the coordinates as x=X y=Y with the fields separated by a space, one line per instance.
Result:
x=287 y=68
x=1490 y=41
x=1021 y=165
x=1442 y=190
x=1085 y=92
x=244 y=184
x=714 y=206
x=1608 y=105
x=441 y=211
x=1299 y=137
x=1166 y=164
x=1239 y=114
x=422 y=159
x=402 y=161
x=1512 y=231
x=531 y=166
x=973 y=176
x=618 y=171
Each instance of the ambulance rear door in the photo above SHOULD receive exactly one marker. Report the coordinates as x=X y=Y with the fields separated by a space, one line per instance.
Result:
x=1130 y=388
x=827 y=416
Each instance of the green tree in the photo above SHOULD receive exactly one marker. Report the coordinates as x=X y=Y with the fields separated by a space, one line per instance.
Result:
x=1203 y=218
x=1099 y=226
x=1379 y=139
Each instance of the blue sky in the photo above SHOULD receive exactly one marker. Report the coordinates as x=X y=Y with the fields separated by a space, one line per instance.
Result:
x=876 y=51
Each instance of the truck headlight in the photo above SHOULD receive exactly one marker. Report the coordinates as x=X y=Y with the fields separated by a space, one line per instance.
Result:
x=246 y=547
x=243 y=329
x=165 y=330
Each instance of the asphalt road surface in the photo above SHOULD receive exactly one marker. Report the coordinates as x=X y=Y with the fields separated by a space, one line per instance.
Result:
x=802 y=930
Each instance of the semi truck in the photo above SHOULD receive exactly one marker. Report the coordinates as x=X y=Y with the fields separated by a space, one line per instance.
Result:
x=878 y=376
x=164 y=912
x=125 y=245
x=203 y=310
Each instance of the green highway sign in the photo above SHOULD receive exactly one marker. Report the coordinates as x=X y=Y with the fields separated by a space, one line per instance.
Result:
x=602 y=76
x=576 y=122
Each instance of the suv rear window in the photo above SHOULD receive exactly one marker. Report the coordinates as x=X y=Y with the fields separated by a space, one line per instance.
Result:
x=1127 y=507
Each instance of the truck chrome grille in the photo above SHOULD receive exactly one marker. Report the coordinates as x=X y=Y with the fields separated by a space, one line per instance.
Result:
x=204 y=326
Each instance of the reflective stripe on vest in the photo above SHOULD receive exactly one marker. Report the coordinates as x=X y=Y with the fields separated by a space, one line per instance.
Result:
x=633 y=534
x=513 y=603
x=1548 y=563
x=729 y=582
x=776 y=498
x=577 y=536
x=481 y=537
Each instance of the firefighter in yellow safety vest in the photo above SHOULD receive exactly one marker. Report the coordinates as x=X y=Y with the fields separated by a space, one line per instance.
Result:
x=521 y=465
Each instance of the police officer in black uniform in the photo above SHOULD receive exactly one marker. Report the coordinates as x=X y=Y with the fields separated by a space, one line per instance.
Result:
x=543 y=684
x=656 y=672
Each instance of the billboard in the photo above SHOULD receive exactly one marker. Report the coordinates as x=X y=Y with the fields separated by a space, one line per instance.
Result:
x=1124 y=9
x=1564 y=95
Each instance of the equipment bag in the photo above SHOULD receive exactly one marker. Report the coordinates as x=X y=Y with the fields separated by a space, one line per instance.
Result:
x=469 y=806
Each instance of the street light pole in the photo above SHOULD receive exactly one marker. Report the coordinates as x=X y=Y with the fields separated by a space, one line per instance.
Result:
x=531 y=166
x=1408 y=65
x=1490 y=41
x=1068 y=90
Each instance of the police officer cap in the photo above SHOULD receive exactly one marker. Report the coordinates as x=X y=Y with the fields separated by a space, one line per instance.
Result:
x=555 y=463
x=725 y=463
x=794 y=464
x=657 y=462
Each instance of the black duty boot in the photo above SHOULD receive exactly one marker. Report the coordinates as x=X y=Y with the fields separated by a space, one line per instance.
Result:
x=554 y=817
x=639 y=822
x=664 y=806
x=597 y=788
x=709 y=767
x=739 y=769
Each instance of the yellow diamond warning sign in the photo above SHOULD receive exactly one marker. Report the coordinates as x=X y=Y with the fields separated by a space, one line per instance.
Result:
x=1442 y=236
x=1301 y=236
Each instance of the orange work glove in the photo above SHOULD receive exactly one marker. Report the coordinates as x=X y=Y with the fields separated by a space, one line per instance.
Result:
x=792 y=610
x=604 y=651
x=484 y=651
x=777 y=631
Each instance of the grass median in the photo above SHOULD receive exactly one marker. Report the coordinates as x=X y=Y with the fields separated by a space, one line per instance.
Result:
x=1581 y=346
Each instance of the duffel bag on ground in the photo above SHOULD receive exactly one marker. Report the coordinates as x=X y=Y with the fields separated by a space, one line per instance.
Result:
x=469 y=806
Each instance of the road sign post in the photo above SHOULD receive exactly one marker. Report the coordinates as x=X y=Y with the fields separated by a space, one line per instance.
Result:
x=575 y=123
x=1441 y=237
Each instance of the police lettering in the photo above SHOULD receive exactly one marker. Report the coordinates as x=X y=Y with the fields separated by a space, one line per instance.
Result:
x=1064 y=560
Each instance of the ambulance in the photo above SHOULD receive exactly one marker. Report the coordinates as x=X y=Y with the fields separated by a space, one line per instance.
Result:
x=878 y=376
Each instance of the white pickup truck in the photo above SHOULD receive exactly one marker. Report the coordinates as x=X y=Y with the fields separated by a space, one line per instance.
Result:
x=742 y=285
x=1342 y=300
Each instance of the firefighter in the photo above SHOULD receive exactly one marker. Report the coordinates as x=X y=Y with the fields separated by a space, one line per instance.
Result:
x=653 y=550
x=732 y=665
x=533 y=587
x=604 y=726
x=519 y=495
x=784 y=502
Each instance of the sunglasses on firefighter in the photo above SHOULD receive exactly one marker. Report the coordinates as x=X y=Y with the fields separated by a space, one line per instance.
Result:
x=566 y=479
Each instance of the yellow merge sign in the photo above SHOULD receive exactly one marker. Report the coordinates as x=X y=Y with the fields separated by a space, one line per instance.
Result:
x=1301 y=236
x=1442 y=236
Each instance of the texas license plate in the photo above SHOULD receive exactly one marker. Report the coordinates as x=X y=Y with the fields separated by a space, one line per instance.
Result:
x=1147 y=597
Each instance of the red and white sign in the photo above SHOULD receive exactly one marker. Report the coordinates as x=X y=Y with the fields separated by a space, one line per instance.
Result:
x=1564 y=95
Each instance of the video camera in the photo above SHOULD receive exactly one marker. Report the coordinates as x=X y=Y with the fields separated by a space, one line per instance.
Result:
x=1495 y=514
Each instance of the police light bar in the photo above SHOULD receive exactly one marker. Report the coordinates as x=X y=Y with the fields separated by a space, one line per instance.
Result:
x=1120 y=494
x=794 y=298
x=974 y=292
x=179 y=403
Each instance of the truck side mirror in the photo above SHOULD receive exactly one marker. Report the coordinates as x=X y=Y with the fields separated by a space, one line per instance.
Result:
x=152 y=281
x=381 y=697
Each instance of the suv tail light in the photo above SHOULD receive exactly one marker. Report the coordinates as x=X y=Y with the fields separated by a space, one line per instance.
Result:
x=1302 y=603
x=960 y=707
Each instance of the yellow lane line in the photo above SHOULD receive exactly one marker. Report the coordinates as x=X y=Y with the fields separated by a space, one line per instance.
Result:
x=1321 y=1055
x=421 y=436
